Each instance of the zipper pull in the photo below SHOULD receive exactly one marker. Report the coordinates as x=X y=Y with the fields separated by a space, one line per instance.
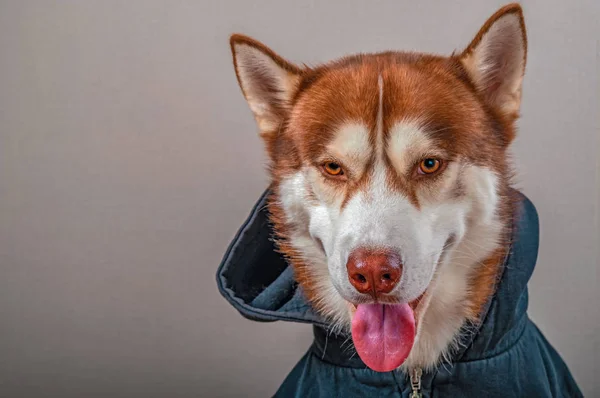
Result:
x=415 y=382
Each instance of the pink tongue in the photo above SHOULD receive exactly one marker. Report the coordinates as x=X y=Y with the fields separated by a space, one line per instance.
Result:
x=383 y=334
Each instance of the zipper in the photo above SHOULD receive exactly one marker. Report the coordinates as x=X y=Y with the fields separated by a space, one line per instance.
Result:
x=415 y=382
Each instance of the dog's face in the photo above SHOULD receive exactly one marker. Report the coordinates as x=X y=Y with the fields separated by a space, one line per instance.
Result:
x=383 y=165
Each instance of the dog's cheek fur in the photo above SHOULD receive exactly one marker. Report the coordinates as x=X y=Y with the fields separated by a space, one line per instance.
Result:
x=465 y=277
x=297 y=220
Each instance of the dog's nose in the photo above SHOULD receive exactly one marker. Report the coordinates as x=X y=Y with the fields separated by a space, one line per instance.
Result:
x=374 y=271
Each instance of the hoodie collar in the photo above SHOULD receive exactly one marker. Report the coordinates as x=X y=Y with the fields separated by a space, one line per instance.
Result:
x=259 y=283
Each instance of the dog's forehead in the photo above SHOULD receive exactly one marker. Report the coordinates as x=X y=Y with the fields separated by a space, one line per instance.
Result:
x=411 y=87
x=412 y=94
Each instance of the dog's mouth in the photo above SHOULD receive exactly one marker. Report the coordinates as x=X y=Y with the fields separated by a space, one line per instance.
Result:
x=384 y=334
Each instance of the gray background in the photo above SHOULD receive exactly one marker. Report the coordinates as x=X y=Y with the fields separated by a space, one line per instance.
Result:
x=128 y=159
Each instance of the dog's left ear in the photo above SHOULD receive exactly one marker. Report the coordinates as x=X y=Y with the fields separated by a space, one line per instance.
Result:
x=495 y=59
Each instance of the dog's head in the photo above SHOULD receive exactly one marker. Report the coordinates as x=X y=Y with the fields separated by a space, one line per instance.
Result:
x=383 y=165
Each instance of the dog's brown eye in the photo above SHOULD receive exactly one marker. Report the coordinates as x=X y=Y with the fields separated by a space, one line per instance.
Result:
x=333 y=169
x=429 y=166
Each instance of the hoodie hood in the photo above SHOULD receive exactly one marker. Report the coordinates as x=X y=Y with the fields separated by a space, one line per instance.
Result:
x=260 y=284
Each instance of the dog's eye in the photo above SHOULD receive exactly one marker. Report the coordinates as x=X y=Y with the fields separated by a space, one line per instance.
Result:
x=333 y=169
x=429 y=166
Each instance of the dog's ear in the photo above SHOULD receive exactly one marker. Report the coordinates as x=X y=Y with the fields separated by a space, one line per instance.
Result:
x=267 y=81
x=495 y=59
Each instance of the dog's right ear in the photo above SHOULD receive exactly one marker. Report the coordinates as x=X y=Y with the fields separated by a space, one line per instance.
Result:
x=267 y=81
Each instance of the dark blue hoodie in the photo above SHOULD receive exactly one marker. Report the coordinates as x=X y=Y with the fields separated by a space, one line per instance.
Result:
x=506 y=356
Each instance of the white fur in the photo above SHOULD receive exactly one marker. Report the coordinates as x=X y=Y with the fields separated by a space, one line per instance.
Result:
x=407 y=142
x=441 y=312
x=379 y=146
x=308 y=222
x=351 y=144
